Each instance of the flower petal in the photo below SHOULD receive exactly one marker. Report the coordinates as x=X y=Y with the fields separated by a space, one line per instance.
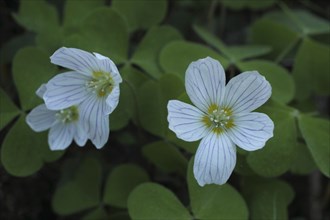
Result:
x=80 y=135
x=41 y=90
x=112 y=100
x=247 y=91
x=76 y=59
x=65 y=90
x=41 y=118
x=60 y=136
x=109 y=66
x=205 y=83
x=215 y=159
x=186 y=121
x=251 y=130
x=96 y=123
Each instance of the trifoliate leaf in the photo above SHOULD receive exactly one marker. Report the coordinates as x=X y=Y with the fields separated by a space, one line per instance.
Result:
x=82 y=191
x=23 y=151
x=8 y=110
x=267 y=199
x=315 y=131
x=105 y=31
x=120 y=182
x=153 y=201
x=147 y=52
x=215 y=201
x=165 y=157
x=177 y=55
x=37 y=15
x=141 y=14
x=152 y=103
x=31 y=68
x=276 y=157
x=281 y=80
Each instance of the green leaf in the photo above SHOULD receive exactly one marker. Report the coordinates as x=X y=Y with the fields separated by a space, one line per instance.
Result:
x=165 y=157
x=75 y=11
x=50 y=41
x=212 y=40
x=81 y=191
x=10 y=48
x=121 y=181
x=141 y=14
x=177 y=55
x=311 y=69
x=276 y=157
x=315 y=131
x=282 y=83
x=263 y=29
x=152 y=103
x=153 y=201
x=97 y=214
x=301 y=21
x=37 y=15
x=8 y=110
x=23 y=151
x=267 y=199
x=120 y=117
x=105 y=31
x=239 y=53
x=215 y=201
x=31 y=68
x=251 y=4
x=147 y=52
x=303 y=162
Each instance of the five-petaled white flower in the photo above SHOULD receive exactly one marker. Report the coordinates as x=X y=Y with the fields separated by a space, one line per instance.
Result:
x=93 y=84
x=65 y=125
x=222 y=119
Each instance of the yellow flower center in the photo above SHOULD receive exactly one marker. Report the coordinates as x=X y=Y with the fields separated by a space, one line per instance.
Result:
x=68 y=115
x=102 y=83
x=218 y=118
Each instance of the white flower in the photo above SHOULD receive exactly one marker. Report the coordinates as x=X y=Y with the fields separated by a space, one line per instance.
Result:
x=222 y=119
x=65 y=125
x=93 y=83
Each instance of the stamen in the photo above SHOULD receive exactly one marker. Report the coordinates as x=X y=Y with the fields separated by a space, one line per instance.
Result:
x=219 y=119
x=68 y=115
x=101 y=84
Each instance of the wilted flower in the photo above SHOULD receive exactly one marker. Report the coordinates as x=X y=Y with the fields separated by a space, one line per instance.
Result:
x=222 y=119
x=65 y=125
x=93 y=83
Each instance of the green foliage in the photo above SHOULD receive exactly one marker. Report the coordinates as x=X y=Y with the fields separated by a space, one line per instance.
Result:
x=276 y=157
x=177 y=55
x=141 y=14
x=120 y=182
x=80 y=192
x=251 y=4
x=153 y=201
x=233 y=53
x=97 y=37
x=316 y=134
x=31 y=68
x=282 y=82
x=146 y=54
x=311 y=66
x=165 y=157
x=79 y=9
x=214 y=201
x=152 y=43
x=37 y=15
x=152 y=103
x=267 y=199
x=8 y=110
x=23 y=152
